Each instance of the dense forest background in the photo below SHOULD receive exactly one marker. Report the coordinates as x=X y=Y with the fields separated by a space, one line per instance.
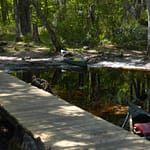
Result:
x=76 y=23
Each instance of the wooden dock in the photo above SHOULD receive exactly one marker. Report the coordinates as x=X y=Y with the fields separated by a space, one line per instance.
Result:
x=60 y=124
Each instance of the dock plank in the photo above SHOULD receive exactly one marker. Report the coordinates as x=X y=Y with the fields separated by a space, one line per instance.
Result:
x=60 y=124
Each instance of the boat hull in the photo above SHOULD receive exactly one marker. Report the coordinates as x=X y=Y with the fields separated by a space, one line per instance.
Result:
x=77 y=62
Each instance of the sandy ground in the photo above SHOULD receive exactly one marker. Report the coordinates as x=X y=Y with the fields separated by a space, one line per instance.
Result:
x=21 y=53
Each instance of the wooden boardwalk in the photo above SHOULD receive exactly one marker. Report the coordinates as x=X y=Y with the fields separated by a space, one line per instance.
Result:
x=60 y=124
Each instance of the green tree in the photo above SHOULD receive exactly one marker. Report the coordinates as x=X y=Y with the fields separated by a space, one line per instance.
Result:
x=48 y=26
x=80 y=22
x=148 y=42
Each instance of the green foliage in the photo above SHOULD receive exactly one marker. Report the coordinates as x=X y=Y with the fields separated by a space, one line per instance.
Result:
x=7 y=32
x=130 y=37
x=114 y=86
x=71 y=33
x=77 y=24
x=45 y=37
x=27 y=37
x=122 y=96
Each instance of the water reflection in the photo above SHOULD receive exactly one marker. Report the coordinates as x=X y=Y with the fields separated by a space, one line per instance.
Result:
x=104 y=92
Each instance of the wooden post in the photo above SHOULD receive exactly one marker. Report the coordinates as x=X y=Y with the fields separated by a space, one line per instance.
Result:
x=90 y=84
x=148 y=93
x=131 y=123
x=148 y=100
x=36 y=37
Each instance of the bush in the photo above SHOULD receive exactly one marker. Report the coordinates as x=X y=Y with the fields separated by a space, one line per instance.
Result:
x=130 y=37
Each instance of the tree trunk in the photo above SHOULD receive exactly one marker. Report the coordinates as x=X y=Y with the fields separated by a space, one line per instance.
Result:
x=89 y=86
x=148 y=92
x=3 y=10
x=148 y=42
x=16 y=20
x=36 y=37
x=25 y=20
x=48 y=26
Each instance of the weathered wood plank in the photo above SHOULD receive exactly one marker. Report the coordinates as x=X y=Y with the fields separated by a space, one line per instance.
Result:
x=60 y=124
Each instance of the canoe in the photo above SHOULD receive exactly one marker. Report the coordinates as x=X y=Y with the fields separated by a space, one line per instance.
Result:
x=78 y=61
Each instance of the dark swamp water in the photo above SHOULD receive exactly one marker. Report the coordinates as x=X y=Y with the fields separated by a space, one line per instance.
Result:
x=103 y=92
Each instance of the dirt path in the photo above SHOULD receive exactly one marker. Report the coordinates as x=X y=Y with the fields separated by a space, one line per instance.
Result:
x=24 y=54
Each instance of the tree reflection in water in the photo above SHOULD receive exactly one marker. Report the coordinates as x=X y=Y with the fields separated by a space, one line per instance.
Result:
x=104 y=92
